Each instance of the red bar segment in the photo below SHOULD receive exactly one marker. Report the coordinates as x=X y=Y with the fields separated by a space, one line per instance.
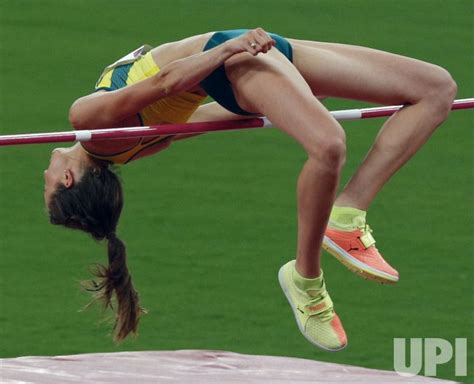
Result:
x=38 y=138
x=463 y=104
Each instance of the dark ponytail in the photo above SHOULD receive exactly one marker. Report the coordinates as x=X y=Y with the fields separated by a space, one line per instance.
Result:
x=94 y=205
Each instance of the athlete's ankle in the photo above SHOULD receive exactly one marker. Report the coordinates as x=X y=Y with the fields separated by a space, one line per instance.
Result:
x=346 y=218
x=306 y=272
x=344 y=200
x=305 y=283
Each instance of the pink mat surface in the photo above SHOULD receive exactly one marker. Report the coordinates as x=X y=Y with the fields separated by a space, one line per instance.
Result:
x=190 y=367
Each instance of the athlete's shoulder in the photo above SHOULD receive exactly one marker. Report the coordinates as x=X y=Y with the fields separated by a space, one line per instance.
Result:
x=105 y=78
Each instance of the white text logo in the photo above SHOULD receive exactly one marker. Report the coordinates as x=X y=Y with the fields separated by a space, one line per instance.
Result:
x=436 y=352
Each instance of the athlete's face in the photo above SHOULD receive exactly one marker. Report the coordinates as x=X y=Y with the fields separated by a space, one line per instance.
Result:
x=65 y=167
x=53 y=175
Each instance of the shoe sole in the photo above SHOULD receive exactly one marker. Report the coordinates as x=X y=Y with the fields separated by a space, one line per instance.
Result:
x=295 y=313
x=357 y=266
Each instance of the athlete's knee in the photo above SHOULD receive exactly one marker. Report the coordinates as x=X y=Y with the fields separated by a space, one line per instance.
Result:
x=440 y=92
x=329 y=150
x=333 y=152
x=441 y=86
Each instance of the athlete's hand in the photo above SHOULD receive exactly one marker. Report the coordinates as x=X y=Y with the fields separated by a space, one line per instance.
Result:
x=253 y=41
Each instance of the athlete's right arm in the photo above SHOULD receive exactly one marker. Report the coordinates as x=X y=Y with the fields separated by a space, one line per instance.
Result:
x=109 y=109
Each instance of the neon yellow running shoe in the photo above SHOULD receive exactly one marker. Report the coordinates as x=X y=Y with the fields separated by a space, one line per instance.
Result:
x=313 y=309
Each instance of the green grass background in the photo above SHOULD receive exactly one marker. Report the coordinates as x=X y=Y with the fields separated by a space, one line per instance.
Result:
x=209 y=222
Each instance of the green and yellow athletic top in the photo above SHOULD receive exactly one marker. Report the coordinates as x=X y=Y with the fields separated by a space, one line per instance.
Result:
x=132 y=68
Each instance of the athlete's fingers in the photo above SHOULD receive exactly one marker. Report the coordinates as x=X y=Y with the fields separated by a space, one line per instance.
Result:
x=256 y=41
x=265 y=43
x=265 y=40
x=253 y=42
x=248 y=43
x=262 y=44
x=254 y=48
x=259 y=41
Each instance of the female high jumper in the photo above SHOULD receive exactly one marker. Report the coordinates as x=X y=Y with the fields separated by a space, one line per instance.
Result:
x=253 y=73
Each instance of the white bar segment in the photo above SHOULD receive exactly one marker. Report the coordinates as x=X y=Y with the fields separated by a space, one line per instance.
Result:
x=83 y=135
x=266 y=122
x=349 y=114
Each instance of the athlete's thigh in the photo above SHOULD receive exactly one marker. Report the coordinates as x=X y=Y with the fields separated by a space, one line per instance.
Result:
x=270 y=85
x=360 y=73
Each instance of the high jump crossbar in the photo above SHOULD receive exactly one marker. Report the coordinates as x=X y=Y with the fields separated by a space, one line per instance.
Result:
x=194 y=128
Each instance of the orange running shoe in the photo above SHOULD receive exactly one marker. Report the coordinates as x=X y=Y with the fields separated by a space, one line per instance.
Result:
x=356 y=250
